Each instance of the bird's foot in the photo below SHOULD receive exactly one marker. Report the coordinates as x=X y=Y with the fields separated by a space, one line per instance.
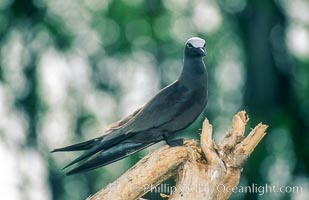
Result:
x=175 y=143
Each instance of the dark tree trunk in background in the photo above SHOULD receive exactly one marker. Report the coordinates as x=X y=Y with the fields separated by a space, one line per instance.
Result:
x=264 y=79
x=269 y=91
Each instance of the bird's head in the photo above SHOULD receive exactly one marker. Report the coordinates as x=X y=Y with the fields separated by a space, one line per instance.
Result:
x=195 y=47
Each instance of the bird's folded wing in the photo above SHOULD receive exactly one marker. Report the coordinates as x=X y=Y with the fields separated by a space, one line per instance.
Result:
x=161 y=109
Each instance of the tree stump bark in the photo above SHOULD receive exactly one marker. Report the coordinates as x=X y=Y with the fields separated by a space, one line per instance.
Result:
x=208 y=171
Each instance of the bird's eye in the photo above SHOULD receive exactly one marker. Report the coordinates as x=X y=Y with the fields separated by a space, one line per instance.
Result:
x=189 y=45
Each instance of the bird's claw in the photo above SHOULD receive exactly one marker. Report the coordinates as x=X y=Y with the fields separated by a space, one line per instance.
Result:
x=174 y=143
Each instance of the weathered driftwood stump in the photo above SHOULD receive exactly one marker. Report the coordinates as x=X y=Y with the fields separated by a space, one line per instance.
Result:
x=206 y=172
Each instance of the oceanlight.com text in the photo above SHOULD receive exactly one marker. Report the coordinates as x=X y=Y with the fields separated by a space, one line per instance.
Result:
x=260 y=189
x=253 y=188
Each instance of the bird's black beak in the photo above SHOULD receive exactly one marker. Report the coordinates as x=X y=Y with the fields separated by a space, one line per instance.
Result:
x=201 y=51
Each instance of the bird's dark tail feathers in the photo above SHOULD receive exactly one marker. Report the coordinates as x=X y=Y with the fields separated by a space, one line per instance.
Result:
x=80 y=146
x=108 y=156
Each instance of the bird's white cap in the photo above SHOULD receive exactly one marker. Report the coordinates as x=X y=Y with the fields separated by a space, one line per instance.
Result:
x=196 y=42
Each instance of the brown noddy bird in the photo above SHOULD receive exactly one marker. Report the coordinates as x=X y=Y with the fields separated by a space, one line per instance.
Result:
x=171 y=110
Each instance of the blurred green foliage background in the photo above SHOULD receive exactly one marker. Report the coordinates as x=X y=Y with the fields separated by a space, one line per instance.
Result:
x=68 y=68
